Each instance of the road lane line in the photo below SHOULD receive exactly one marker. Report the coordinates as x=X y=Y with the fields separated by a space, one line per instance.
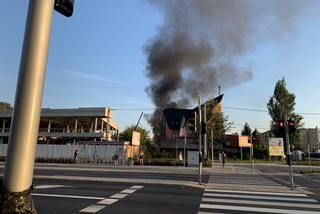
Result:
x=261 y=197
x=292 y=205
x=256 y=209
x=92 y=209
x=67 y=196
x=257 y=193
x=49 y=186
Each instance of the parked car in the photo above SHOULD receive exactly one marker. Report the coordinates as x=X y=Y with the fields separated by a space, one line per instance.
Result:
x=313 y=155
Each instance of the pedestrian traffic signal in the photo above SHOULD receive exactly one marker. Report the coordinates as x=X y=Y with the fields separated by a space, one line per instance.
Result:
x=65 y=7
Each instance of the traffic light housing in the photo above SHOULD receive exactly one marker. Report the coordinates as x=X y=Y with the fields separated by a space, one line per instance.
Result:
x=291 y=125
x=65 y=7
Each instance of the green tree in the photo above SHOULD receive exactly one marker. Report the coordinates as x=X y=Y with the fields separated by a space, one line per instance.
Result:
x=282 y=105
x=246 y=129
x=217 y=122
x=5 y=106
x=146 y=144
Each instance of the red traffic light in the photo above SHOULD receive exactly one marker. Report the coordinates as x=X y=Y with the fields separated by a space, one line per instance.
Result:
x=291 y=123
x=281 y=124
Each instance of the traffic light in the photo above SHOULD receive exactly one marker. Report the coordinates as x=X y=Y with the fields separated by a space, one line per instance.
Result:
x=65 y=7
x=281 y=124
x=291 y=125
x=249 y=139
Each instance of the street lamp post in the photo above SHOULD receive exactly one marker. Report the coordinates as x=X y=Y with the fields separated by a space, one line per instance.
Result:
x=200 y=132
x=18 y=171
x=288 y=152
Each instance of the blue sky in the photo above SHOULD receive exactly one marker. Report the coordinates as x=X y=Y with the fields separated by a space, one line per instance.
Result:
x=96 y=58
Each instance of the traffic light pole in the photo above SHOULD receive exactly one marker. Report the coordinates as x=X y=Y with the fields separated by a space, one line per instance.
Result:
x=205 y=141
x=288 y=151
x=212 y=158
x=251 y=153
x=200 y=132
x=18 y=172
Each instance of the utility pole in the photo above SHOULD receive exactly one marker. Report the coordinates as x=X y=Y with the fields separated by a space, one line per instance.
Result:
x=212 y=158
x=199 y=131
x=308 y=138
x=18 y=173
x=205 y=152
x=288 y=151
x=251 y=152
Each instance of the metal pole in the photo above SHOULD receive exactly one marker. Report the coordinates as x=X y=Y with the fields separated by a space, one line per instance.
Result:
x=212 y=158
x=240 y=153
x=184 y=149
x=252 y=157
x=200 y=149
x=205 y=152
x=308 y=151
x=19 y=166
x=288 y=151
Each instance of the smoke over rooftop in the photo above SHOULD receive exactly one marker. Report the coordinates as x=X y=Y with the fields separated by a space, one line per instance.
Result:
x=200 y=43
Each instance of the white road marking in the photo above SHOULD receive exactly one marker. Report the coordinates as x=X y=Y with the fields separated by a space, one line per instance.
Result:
x=136 y=187
x=118 y=195
x=49 y=186
x=260 y=197
x=261 y=203
x=67 y=196
x=210 y=213
x=256 y=209
x=257 y=193
x=108 y=201
x=128 y=191
x=112 y=199
x=92 y=209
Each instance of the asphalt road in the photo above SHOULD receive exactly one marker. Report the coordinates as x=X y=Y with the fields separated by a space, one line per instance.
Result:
x=74 y=196
x=233 y=189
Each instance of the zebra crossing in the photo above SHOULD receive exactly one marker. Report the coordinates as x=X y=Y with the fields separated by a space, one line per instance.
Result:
x=240 y=202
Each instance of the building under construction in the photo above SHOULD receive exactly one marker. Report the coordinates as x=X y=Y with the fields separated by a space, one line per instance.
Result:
x=68 y=125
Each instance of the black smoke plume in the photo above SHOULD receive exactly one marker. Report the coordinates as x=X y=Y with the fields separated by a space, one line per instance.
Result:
x=200 y=42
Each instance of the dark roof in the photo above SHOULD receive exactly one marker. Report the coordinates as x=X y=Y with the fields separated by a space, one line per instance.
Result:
x=215 y=100
x=174 y=116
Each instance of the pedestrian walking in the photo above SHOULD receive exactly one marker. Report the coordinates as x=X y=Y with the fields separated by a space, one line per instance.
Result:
x=141 y=157
x=76 y=156
x=115 y=159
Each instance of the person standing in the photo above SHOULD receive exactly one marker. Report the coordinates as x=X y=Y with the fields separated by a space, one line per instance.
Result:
x=141 y=157
x=223 y=158
x=76 y=156
x=180 y=159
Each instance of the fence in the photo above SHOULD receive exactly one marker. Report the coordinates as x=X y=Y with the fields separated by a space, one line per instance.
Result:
x=90 y=153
